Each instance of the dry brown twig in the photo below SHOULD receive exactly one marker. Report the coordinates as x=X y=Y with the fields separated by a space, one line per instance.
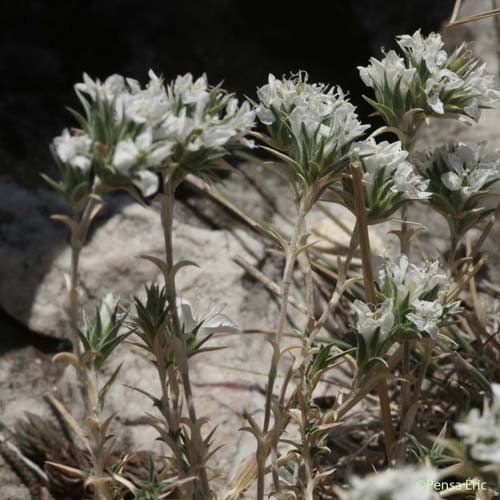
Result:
x=371 y=296
x=456 y=21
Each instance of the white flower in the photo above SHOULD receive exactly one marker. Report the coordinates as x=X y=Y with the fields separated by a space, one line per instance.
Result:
x=203 y=118
x=241 y=119
x=277 y=94
x=482 y=432
x=391 y=69
x=442 y=81
x=369 y=321
x=129 y=152
x=408 y=483
x=344 y=124
x=112 y=87
x=147 y=182
x=126 y=155
x=377 y=156
x=176 y=127
x=74 y=150
x=428 y=49
x=207 y=324
x=412 y=281
x=427 y=316
x=480 y=84
x=470 y=170
x=397 y=170
x=458 y=79
x=232 y=128
x=107 y=308
x=148 y=106
x=188 y=91
x=408 y=182
x=141 y=152
x=322 y=112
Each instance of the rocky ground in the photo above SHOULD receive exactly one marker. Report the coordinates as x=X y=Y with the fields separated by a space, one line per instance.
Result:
x=34 y=257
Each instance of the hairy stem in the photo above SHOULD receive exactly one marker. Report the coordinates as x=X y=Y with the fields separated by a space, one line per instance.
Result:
x=78 y=237
x=405 y=368
x=405 y=249
x=291 y=257
x=202 y=491
x=98 y=442
x=484 y=234
x=305 y=266
x=454 y=240
x=306 y=455
x=248 y=472
x=337 y=291
x=405 y=384
x=409 y=420
x=404 y=240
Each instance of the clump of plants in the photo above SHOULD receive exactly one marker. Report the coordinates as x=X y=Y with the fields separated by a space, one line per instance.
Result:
x=414 y=347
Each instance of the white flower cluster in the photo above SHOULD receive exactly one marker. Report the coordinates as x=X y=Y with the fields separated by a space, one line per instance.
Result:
x=148 y=106
x=187 y=114
x=107 y=308
x=213 y=321
x=463 y=183
x=369 y=321
x=476 y=82
x=428 y=49
x=400 y=281
x=480 y=83
x=446 y=77
x=411 y=282
x=107 y=90
x=204 y=118
x=410 y=483
x=390 y=69
x=74 y=150
x=131 y=152
x=470 y=170
x=393 y=158
x=322 y=111
x=481 y=433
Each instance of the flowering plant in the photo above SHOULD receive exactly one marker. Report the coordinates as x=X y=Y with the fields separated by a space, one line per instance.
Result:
x=311 y=126
x=412 y=322
x=480 y=433
x=412 y=304
x=411 y=483
x=461 y=180
x=390 y=181
x=129 y=133
x=426 y=81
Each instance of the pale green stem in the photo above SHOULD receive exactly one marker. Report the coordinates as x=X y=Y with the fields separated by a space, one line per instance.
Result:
x=291 y=257
x=407 y=344
x=405 y=369
x=305 y=265
x=102 y=489
x=78 y=239
x=305 y=392
x=202 y=490
x=454 y=241
x=407 y=424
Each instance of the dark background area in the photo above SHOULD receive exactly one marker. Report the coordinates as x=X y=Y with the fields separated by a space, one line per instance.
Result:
x=46 y=45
